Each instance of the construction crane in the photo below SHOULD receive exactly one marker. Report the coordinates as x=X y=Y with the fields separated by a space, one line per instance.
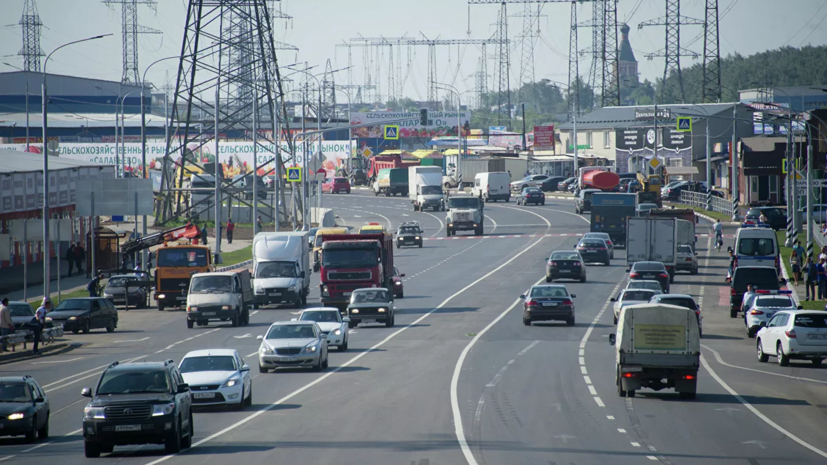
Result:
x=188 y=231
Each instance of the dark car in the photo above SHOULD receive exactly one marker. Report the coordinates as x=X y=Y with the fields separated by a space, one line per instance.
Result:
x=358 y=177
x=85 y=314
x=583 y=201
x=776 y=217
x=552 y=184
x=398 y=286
x=651 y=270
x=118 y=292
x=762 y=277
x=24 y=408
x=673 y=193
x=138 y=403
x=594 y=250
x=336 y=185
x=371 y=304
x=565 y=265
x=409 y=234
x=681 y=300
x=548 y=302
x=531 y=195
x=244 y=182
x=564 y=184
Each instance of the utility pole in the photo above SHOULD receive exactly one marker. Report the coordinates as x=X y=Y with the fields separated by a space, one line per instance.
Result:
x=810 y=222
x=254 y=176
x=736 y=194
x=217 y=193
x=522 y=104
x=130 y=31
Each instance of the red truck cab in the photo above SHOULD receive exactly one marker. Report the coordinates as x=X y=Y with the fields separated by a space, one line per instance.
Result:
x=350 y=262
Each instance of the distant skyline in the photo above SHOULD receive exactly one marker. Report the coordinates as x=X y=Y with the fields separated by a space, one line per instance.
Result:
x=746 y=27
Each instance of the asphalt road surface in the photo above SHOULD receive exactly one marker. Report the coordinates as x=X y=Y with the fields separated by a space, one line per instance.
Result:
x=460 y=379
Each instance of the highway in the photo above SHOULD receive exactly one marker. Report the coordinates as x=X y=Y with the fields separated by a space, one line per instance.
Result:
x=460 y=379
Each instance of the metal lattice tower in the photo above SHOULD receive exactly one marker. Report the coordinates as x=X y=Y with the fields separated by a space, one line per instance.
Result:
x=31 y=24
x=611 y=69
x=328 y=93
x=130 y=29
x=207 y=89
x=712 y=54
x=503 y=65
x=481 y=79
x=392 y=96
x=574 y=72
x=528 y=39
x=672 y=52
x=597 y=48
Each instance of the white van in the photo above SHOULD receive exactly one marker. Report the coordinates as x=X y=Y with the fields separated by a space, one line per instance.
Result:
x=492 y=186
x=757 y=247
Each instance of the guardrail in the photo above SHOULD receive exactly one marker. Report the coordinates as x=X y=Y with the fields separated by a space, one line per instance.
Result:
x=47 y=336
x=698 y=200
x=236 y=266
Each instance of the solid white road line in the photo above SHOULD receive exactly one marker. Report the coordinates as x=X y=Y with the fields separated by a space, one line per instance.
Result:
x=760 y=415
x=441 y=224
x=548 y=224
x=722 y=362
x=379 y=344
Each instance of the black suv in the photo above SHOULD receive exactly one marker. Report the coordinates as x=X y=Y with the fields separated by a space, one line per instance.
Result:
x=776 y=217
x=138 y=403
x=761 y=277
x=409 y=234
x=24 y=408
x=583 y=200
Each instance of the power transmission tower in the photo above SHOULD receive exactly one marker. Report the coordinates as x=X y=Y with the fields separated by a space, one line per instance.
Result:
x=574 y=72
x=596 y=50
x=672 y=52
x=528 y=39
x=31 y=24
x=328 y=111
x=503 y=66
x=130 y=29
x=481 y=79
x=712 y=54
x=611 y=70
x=208 y=91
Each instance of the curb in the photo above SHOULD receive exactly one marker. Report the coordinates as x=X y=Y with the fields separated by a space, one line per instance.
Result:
x=13 y=356
x=237 y=265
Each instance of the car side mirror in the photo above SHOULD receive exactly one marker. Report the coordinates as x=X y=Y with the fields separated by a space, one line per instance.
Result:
x=183 y=388
x=612 y=300
x=245 y=368
x=302 y=275
x=573 y=296
x=800 y=307
x=86 y=392
x=763 y=324
x=40 y=399
x=346 y=319
x=612 y=339
x=402 y=275
x=626 y=271
x=522 y=296
x=259 y=338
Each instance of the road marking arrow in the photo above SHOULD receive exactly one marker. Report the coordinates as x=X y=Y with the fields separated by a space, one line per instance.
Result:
x=243 y=336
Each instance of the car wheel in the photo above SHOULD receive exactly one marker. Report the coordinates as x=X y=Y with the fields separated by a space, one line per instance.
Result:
x=343 y=347
x=570 y=321
x=401 y=295
x=762 y=357
x=235 y=320
x=75 y=331
x=614 y=320
x=318 y=366
x=620 y=391
x=43 y=433
x=389 y=321
x=32 y=435
x=160 y=308
x=190 y=324
x=87 y=326
x=549 y=279
x=630 y=393
x=172 y=445
x=326 y=362
x=583 y=279
x=298 y=301
x=527 y=321
x=248 y=402
x=607 y=262
x=106 y=447
x=186 y=442
x=91 y=449
x=351 y=324
x=304 y=298
x=733 y=313
x=420 y=245
x=262 y=369
x=750 y=333
x=110 y=328
x=783 y=360
x=816 y=362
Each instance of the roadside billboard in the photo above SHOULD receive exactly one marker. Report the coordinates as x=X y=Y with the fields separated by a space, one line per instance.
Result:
x=441 y=123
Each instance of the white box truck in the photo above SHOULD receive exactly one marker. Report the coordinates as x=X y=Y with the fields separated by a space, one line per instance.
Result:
x=222 y=296
x=658 y=347
x=281 y=267
x=652 y=240
x=425 y=188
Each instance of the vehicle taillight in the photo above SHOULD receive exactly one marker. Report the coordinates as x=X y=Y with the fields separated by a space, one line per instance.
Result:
x=487 y=188
x=530 y=302
x=732 y=291
x=790 y=334
x=609 y=242
x=629 y=375
x=634 y=275
x=601 y=248
x=568 y=302
x=576 y=263
x=756 y=312
x=690 y=377
x=689 y=259
x=552 y=263
x=664 y=275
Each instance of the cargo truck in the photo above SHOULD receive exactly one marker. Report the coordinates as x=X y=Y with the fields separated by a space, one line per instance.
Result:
x=686 y=224
x=220 y=296
x=425 y=188
x=609 y=213
x=658 y=347
x=391 y=181
x=652 y=239
x=350 y=262
x=469 y=169
x=281 y=267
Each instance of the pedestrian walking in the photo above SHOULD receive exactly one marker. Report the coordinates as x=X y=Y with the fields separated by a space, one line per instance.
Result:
x=70 y=258
x=80 y=257
x=812 y=277
x=39 y=323
x=6 y=325
x=795 y=266
x=823 y=254
x=230 y=229
x=799 y=250
x=204 y=234
x=259 y=224
x=822 y=278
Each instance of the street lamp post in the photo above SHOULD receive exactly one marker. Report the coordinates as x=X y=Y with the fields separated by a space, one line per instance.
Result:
x=45 y=105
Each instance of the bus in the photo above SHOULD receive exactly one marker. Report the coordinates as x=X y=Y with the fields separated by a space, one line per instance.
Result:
x=173 y=267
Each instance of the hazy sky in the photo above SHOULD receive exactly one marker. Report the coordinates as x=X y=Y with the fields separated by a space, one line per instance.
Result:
x=747 y=27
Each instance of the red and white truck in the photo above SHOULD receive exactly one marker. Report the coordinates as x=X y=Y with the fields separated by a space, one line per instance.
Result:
x=350 y=262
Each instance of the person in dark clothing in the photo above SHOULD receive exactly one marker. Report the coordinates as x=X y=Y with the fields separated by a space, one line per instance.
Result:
x=811 y=271
x=80 y=257
x=259 y=223
x=39 y=322
x=70 y=258
x=230 y=228
x=204 y=234
x=92 y=287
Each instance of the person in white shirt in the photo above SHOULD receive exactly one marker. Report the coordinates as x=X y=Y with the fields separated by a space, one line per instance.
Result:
x=40 y=322
x=749 y=296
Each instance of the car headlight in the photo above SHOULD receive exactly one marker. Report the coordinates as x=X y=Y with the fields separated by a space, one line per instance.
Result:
x=162 y=409
x=231 y=383
x=73 y=318
x=398 y=283
x=417 y=237
x=310 y=349
x=354 y=310
x=325 y=292
x=93 y=413
x=259 y=290
x=266 y=350
x=226 y=307
x=291 y=289
x=383 y=310
x=48 y=319
x=337 y=332
x=16 y=416
x=192 y=309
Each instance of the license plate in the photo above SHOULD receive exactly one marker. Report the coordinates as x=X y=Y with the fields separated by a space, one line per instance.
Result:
x=275 y=294
x=817 y=336
x=181 y=297
x=591 y=251
x=127 y=427
x=631 y=369
x=549 y=304
x=565 y=271
x=288 y=359
x=204 y=395
x=649 y=276
x=208 y=313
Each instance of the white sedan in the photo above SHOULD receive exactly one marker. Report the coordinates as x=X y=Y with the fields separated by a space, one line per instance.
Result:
x=630 y=297
x=217 y=377
x=333 y=326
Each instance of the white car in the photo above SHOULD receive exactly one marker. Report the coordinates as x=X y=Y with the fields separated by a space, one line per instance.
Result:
x=630 y=297
x=650 y=284
x=333 y=326
x=217 y=377
x=292 y=344
x=794 y=334
x=764 y=306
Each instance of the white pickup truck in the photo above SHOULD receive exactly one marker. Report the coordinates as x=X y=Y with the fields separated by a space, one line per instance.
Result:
x=658 y=347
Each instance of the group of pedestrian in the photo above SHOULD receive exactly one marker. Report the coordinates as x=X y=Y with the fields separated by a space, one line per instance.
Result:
x=815 y=283
x=36 y=325
x=75 y=256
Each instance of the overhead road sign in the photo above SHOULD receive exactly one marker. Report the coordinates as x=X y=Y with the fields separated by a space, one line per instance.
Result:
x=684 y=123
x=391 y=132
x=294 y=174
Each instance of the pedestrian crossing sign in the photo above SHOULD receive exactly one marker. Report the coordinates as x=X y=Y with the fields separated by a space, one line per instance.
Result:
x=294 y=174
x=391 y=132
x=684 y=124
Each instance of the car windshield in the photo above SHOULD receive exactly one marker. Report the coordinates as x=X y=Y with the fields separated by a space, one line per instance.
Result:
x=340 y=180
x=463 y=202
x=680 y=302
x=74 y=304
x=14 y=392
x=350 y=258
x=777 y=302
x=208 y=363
x=182 y=257
x=638 y=294
x=291 y=332
x=431 y=190
x=649 y=267
x=371 y=231
x=120 y=282
x=756 y=246
x=321 y=316
x=276 y=270
x=565 y=256
x=811 y=320
x=762 y=278
x=371 y=296
x=652 y=285
x=547 y=291
x=532 y=190
x=604 y=236
x=409 y=230
x=21 y=309
x=685 y=249
x=133 y=382
x=211 y=284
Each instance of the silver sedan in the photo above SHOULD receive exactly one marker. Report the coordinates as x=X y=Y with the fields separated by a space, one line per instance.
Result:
x=291 y=344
